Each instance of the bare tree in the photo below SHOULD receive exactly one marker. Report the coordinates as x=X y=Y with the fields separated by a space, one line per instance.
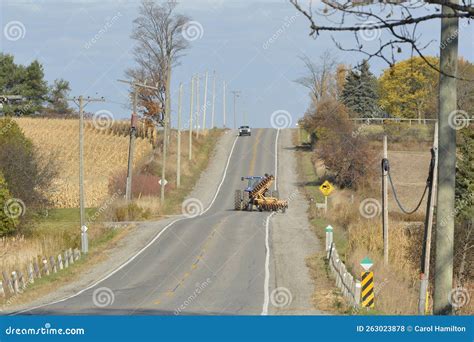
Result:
x=160 y=43
x=401 y=19
x=321 y=76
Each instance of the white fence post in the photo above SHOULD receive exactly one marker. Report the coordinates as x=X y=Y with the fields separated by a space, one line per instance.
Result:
x=357 y=293
x=45 y=266
x=66 y=259
x=31 y=274
x=71 y=256
x=60 y=262
x=52 y=262
x=16 y=288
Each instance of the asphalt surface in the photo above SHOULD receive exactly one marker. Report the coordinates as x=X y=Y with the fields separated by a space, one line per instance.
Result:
x=213 y=263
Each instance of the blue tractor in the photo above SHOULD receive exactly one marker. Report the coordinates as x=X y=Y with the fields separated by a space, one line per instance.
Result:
x=257 y=194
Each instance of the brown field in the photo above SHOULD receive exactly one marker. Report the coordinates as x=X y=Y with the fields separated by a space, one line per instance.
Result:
x=104 y=154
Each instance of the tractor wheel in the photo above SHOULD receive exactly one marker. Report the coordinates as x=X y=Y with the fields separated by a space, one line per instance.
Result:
x=246 y=201
x=275 y=194
x=238 y=200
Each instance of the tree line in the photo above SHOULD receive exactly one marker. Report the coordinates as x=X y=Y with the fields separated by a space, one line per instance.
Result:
x=408 y=89
x=36 y=95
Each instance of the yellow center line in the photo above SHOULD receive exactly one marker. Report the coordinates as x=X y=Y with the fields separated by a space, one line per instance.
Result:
x=254 y=153
x=171 y=292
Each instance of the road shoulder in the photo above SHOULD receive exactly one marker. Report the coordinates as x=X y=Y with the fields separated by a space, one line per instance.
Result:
x=292 y=241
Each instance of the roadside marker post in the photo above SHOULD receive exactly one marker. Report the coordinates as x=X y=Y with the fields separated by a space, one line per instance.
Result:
x=329 y=237
x=367 y=284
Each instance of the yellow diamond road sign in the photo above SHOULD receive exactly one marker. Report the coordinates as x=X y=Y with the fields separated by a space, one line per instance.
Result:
x=326 y=188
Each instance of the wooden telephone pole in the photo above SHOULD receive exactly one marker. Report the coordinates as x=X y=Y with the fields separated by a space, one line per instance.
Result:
x=133 y=122
x=178 y=161
x=446 y=164
x=191 y=113
x=213 y=99
x=82 y=102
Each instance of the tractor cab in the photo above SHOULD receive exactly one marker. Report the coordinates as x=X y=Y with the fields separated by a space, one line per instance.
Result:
x=252 y=181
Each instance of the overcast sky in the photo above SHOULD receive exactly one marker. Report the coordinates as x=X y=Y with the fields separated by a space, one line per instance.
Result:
x=252 y=45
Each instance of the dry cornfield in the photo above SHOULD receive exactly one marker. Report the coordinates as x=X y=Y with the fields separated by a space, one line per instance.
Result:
x=105 y=153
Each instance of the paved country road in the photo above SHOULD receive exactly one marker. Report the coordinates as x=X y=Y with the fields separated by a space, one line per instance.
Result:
x=215 y=263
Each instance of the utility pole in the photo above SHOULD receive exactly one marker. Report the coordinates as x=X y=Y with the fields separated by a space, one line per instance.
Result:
x=205 y=104
x=236 y=94
x=425 y=259
x=224 y=105
x=446 y=164
x=133 y=130
x=178 y=161
x=198 y=106
x=81 y=102
x=165 y=133
x=191 y=113
x=213 y=98
x=385 y=200
x=131 y=145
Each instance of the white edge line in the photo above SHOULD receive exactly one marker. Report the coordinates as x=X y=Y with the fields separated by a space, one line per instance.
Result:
x=266 y=285
x=141 y=250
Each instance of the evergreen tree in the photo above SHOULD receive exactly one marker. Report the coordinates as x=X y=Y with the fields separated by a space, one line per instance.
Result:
x=360 y=92
x=27 y=81
x=57 y=98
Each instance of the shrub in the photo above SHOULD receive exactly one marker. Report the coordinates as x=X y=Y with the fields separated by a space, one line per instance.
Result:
x=7 y=224
x=129 y=212
x=143 y=184
x=20 y=165
x=346 y=155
